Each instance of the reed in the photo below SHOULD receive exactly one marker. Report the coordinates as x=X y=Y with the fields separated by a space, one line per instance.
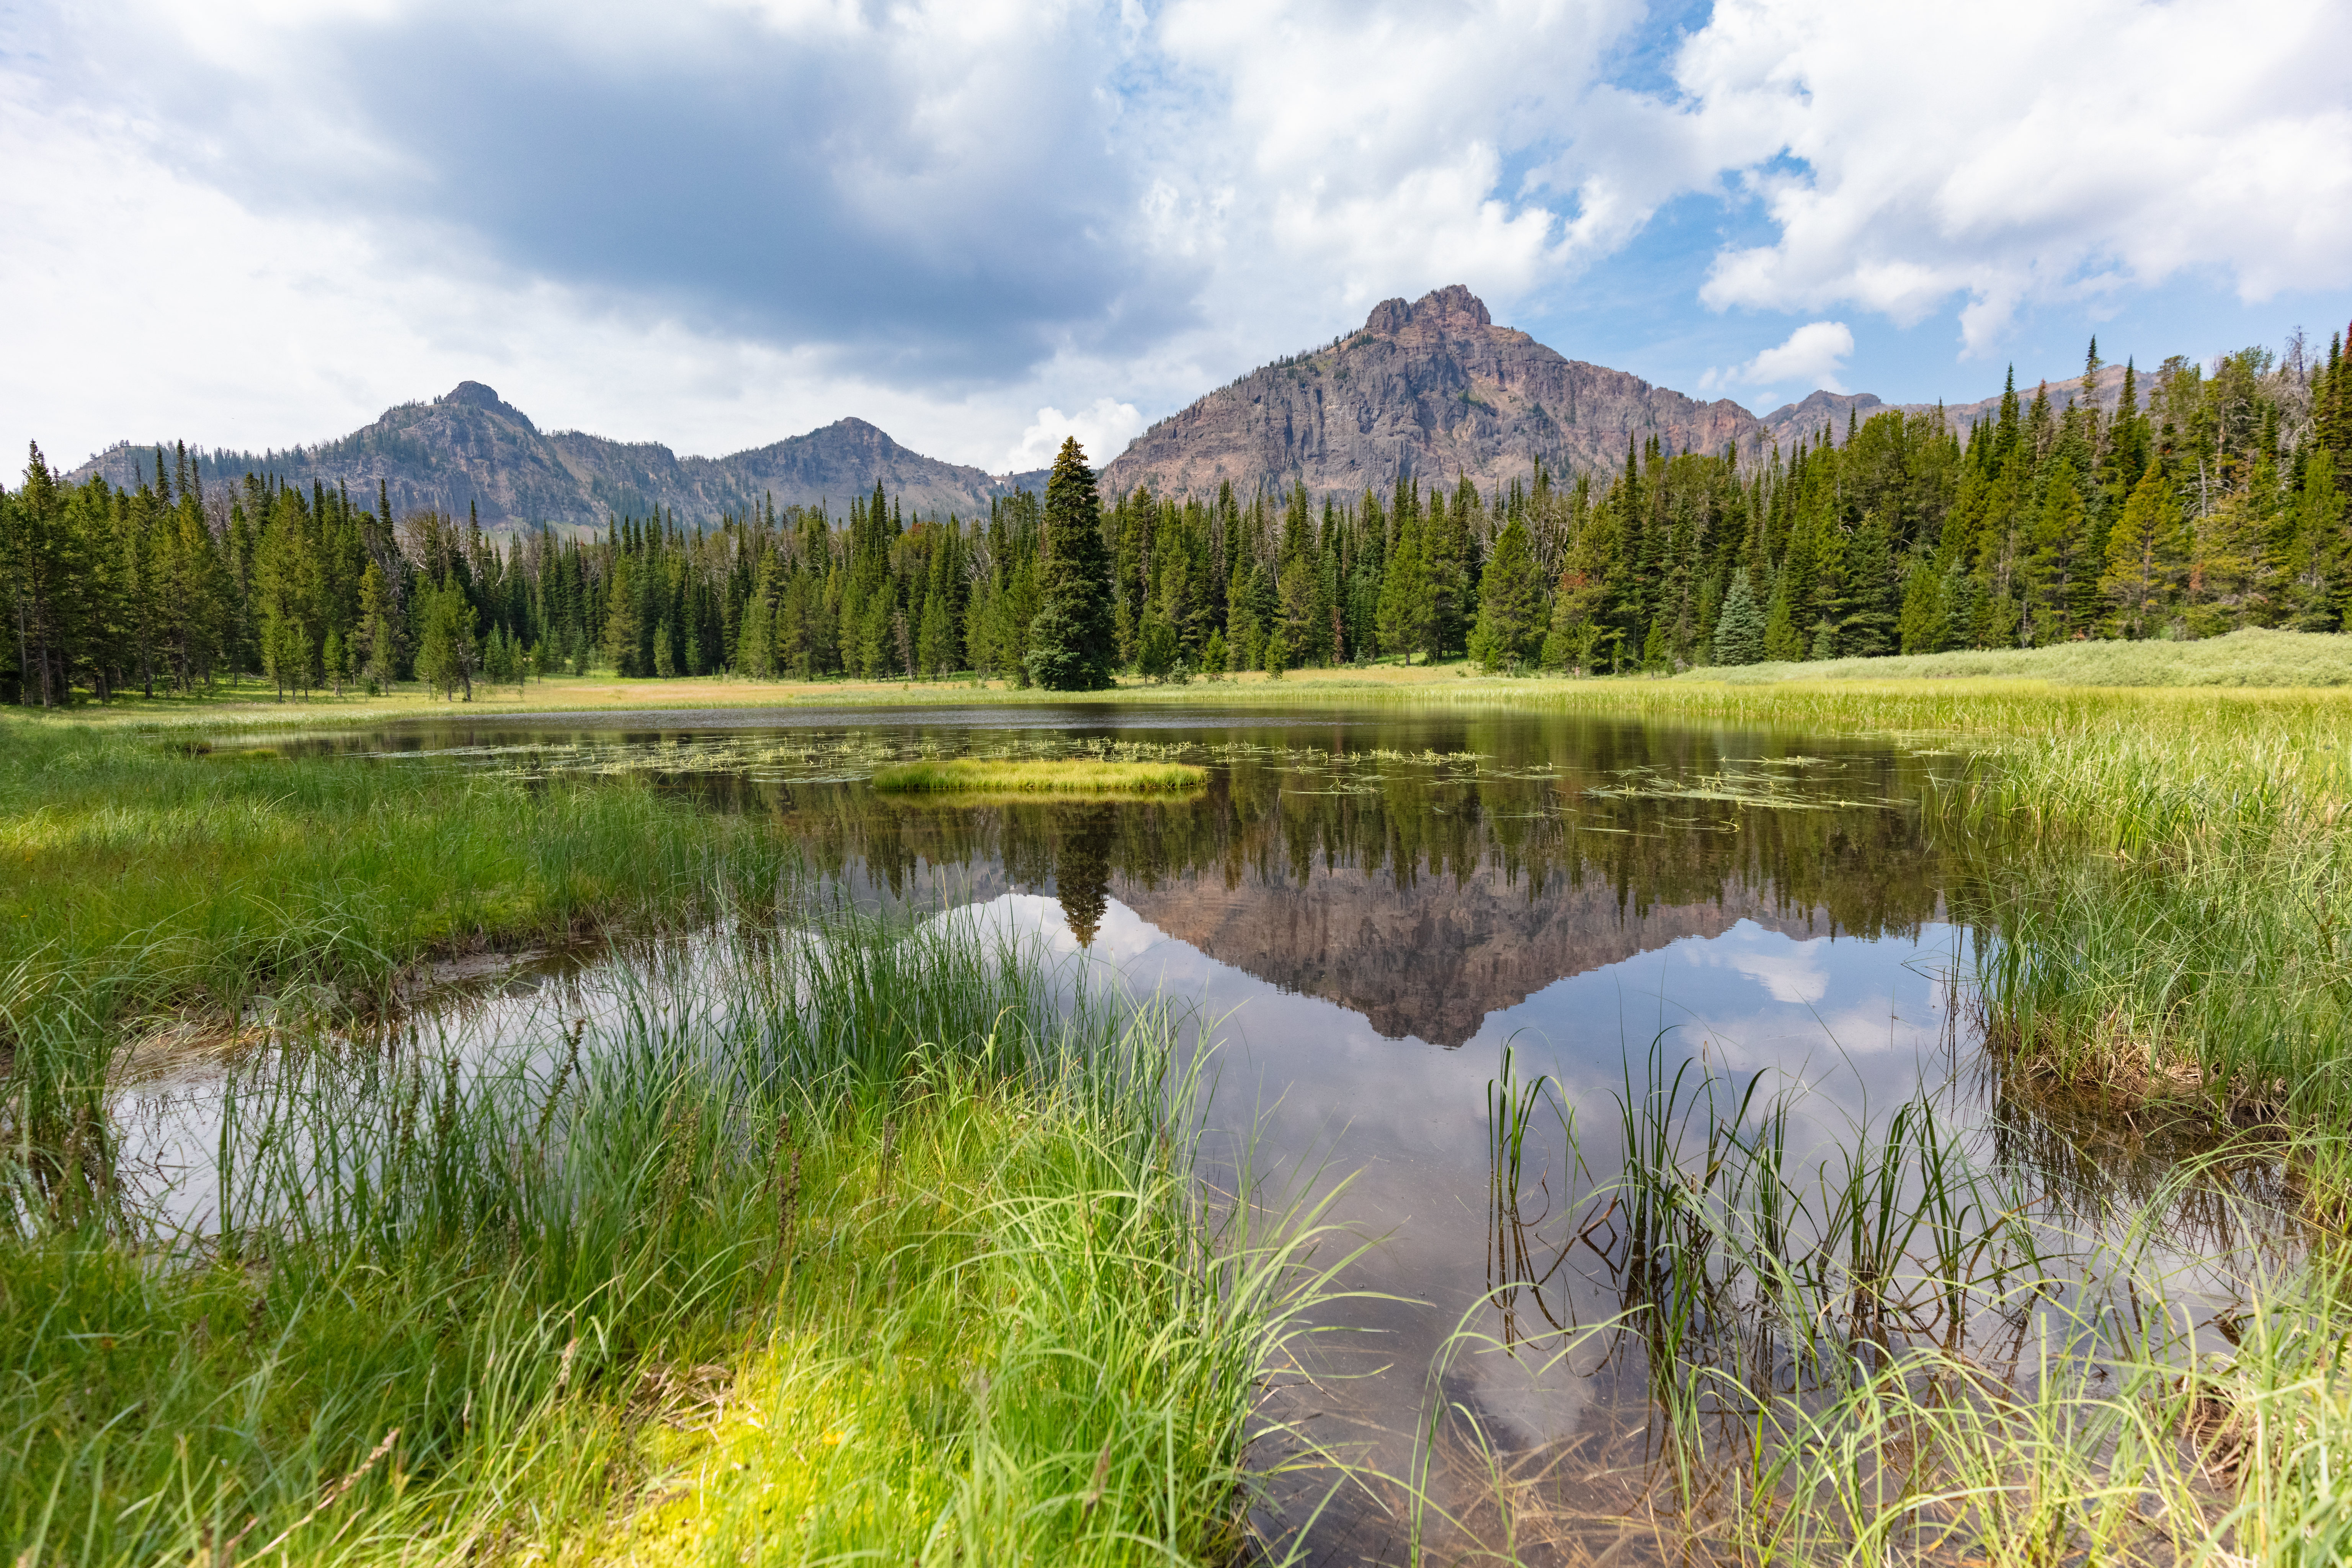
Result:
x=543 y=1301
x=1894 y=1349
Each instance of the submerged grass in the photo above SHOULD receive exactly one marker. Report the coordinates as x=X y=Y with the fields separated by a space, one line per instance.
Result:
x=995 y=777
x=809 y=1247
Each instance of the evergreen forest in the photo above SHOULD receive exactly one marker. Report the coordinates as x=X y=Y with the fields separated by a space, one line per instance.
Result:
x=2211 y=498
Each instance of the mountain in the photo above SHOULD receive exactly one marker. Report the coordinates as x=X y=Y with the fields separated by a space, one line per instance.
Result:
x=471 y=447
x=1793 y=421
x=1432 y=388
x=1435 y=388
x=1432 y=957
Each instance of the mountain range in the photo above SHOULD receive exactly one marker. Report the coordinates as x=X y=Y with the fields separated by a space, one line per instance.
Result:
x=1431 y=387
x=471 y=449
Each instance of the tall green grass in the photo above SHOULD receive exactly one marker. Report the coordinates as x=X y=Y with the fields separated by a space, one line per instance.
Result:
x=864 y=1209
x=139 y=877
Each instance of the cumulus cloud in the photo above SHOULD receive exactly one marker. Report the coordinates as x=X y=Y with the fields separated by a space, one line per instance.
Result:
x=928 y=187
x=719 y=221
x=1905 y=162
x=1103 y=429
x=1812 y=357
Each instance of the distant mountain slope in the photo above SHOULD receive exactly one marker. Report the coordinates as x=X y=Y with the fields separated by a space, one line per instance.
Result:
x=1433 y=388
x=1793 y=421
x=472 y=447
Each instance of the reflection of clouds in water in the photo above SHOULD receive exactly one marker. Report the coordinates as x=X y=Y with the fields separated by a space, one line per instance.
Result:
x=1802 y=971
x=1789 y=971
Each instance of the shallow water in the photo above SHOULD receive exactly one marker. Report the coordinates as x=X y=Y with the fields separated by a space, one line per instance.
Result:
x=1368 y=910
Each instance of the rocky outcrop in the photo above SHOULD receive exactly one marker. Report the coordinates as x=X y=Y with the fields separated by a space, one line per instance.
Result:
x=472 y=449
x=1432 y=388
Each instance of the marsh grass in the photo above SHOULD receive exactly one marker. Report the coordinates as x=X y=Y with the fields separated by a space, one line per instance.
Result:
x=2251 y=658
x=1078 y=776
x=1896 y=1349
x=864 y=1208
x=139 y=878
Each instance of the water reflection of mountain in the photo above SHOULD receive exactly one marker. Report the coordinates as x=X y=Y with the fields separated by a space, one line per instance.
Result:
x=1432 y=958
x=1421 y=898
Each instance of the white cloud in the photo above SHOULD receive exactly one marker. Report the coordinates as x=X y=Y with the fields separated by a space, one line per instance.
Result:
x=1991 y=162
x=1332 y=154
x=1812 y=357
x=1104 y=428
x=724 y=221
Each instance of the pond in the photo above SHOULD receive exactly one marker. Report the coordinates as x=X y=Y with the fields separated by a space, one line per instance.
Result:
x=1415 y=934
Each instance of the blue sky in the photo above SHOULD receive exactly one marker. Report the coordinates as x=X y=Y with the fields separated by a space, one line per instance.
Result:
x=715 y=223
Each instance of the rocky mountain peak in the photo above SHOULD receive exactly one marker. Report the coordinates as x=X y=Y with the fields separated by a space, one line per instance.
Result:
x=1453 y=308
x=475 y=394
x=1432 y=387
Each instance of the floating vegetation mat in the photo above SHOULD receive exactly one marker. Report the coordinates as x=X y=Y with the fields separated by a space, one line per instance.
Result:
x=969 y=775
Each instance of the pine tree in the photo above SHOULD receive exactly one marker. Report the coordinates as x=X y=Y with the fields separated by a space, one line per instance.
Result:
x=2143 y=552
x=1511 y=623
x=1739 y=626
x=1924 y=624
x=1406 y=613
x=1073 y=645
x=1783 y=639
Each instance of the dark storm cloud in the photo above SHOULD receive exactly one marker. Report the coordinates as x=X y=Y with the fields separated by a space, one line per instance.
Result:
x=933 y=208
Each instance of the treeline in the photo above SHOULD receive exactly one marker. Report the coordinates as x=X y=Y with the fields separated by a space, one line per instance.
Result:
x=2209 y=500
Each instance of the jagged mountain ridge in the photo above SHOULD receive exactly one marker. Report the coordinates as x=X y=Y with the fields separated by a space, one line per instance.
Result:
x=472 y=449
x=1433 y=388
x=1432 y=959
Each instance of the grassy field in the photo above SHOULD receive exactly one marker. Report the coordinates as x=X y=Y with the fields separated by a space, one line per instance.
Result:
x=960 y=776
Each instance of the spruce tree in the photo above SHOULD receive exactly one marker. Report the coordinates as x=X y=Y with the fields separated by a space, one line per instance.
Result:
x=1406 y=611
x=2141 y=550
x=1073 y=645
x=1739 y=627
x=1510 y=622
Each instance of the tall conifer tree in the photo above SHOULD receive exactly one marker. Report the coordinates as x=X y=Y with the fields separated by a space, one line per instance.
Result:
x=1073 y=643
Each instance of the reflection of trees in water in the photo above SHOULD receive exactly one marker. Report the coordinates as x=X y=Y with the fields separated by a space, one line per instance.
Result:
x=1871 y=869
x=1082 y=865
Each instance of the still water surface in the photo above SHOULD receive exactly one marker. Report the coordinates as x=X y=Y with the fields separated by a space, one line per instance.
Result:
x=1370 y=909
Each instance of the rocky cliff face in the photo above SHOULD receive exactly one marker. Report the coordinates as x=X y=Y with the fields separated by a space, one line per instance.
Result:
x=1432 y=388
x=471 y=447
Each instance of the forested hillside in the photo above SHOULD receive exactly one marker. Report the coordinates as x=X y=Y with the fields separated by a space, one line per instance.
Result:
x=2208 y=499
